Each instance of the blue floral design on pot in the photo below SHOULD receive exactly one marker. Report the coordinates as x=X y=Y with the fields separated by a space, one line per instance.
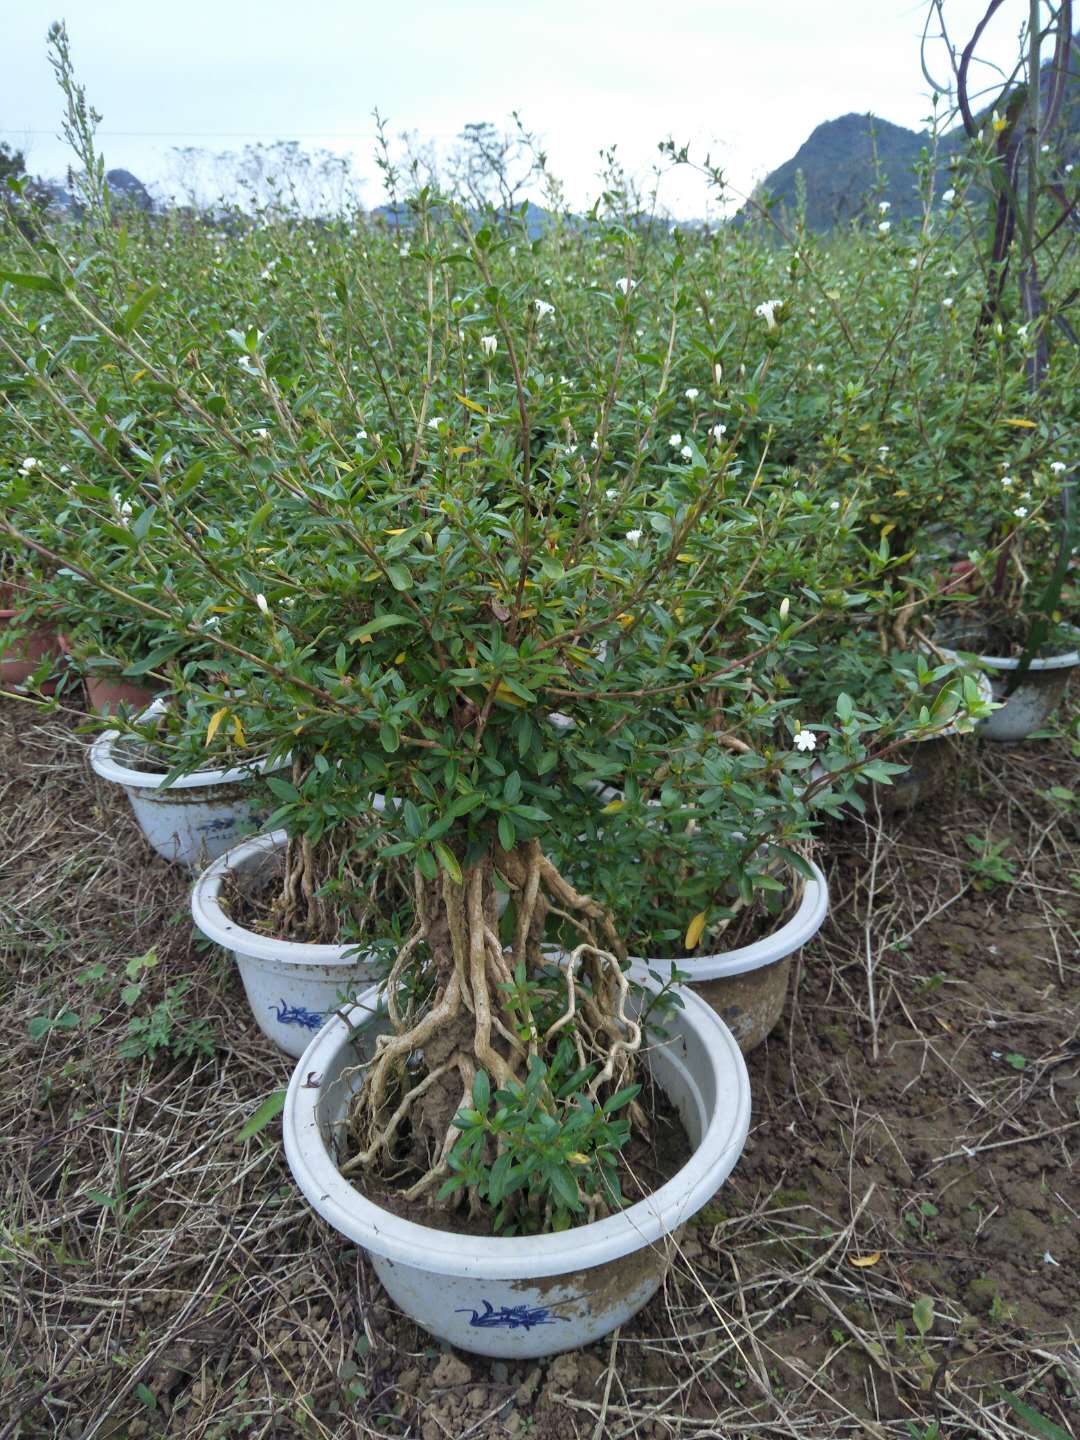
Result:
x=510 y=1317
x=297 y=1015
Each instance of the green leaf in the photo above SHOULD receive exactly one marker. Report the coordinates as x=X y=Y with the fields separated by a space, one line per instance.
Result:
x=448 y=860
x=137 y=309
x=399 y=577
x=565 y=1186
x=620 y=1098
x=1037 y=1422
x=282 y=789
x=270 y=1108
x=31 y=282
x=507 y=833
x=381 y=622
x=389 y=738
x=481 y=1090
x=922 y=1312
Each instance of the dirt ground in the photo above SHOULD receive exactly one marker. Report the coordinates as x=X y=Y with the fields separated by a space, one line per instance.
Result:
x=897 y=1253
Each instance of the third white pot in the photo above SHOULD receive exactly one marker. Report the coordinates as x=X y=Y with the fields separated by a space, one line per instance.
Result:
x=747 y=987
x=193 y=819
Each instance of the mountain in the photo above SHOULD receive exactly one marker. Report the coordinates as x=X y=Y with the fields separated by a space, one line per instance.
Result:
x=841 y=180
x=838 y=171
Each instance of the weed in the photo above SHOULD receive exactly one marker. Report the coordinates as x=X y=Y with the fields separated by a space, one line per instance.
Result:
x=989 y=868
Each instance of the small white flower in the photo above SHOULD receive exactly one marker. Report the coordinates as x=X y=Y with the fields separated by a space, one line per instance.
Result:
x=633 y=537
x=1007 y=481
x=718 y=432
x=884 y=227
x=948 y=196
x=1058 y=467
x=1048 y=1259
x=785 y=606
x=947 y=302
x=1021 y=332
x=27 y=465
x=625 y=284
x=260 y=601
x=951 y=273
x=884 y=207
x=675 y=441
x=820 y=368
x=806 y=740
x=834 y=504
x=767 y=311
x=691 y=394
x=1068 y=169
x=542 y=308
x=717 y=373
x=594 y=443
x=404 y=251
x=1020 y=512
x=1045 y=149
x=489 y=344
x=611 y=494
x=513 y=251
x=883 y=450
x=913 y=263
x=361 y=435
x=639 y=333
x=65 y=469
x=436 y=421
x=123 y=508
x=686 y=453
x=260 y=432
x=266 y=275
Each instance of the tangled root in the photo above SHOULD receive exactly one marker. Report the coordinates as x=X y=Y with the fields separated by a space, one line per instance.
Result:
x=469 y=1026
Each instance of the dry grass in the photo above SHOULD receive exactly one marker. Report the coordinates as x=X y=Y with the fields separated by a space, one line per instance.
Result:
x=161 y=1278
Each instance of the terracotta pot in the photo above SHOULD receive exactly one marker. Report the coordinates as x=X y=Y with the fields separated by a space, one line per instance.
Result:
x=106 y=690
x=25 y=653
x=106 y=694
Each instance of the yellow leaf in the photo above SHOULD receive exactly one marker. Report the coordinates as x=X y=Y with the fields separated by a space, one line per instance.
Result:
x=395 y=532
x=460 y=449
x=576 y=1158
x=886 y=528
x=471 y=404
x=611 y=807
x=1019 y=422
x=137 y=376
x=215 y=723
x=399 y=657
x=685 y=559
x=507 y=696
x=238 y=731
x=862 y=1261
x=695 y=930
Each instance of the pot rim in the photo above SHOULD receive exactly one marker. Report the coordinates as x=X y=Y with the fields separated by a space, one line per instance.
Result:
x=443 y=1252
x=1065 y=660
x=791 y=936
x=103 y=763
x=215 y=924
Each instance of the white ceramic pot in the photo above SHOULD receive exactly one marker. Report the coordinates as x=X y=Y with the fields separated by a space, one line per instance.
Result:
x=747 y=987
x=1033 y=701
x=291 y=986
x=195 y=818
x=537 y=1295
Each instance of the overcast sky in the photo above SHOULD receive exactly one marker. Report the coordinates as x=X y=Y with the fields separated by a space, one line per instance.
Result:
x=746 y=80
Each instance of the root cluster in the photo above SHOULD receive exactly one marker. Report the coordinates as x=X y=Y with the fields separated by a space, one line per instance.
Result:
x=470 y=1023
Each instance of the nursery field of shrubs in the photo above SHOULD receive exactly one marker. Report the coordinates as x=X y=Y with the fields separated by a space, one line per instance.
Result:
x=603 y=700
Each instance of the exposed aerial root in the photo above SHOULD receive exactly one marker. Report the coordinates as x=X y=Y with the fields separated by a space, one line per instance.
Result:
x=472 y=1024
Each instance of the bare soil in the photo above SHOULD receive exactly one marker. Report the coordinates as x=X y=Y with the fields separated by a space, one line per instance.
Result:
x=897 y=1249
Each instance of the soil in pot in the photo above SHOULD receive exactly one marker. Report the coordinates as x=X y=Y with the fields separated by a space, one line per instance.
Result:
x=370 y=902
x=21 y=655
x=648 y=1161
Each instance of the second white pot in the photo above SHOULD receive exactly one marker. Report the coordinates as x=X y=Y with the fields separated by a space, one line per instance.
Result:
x=519 y=1298
x=290 y=985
